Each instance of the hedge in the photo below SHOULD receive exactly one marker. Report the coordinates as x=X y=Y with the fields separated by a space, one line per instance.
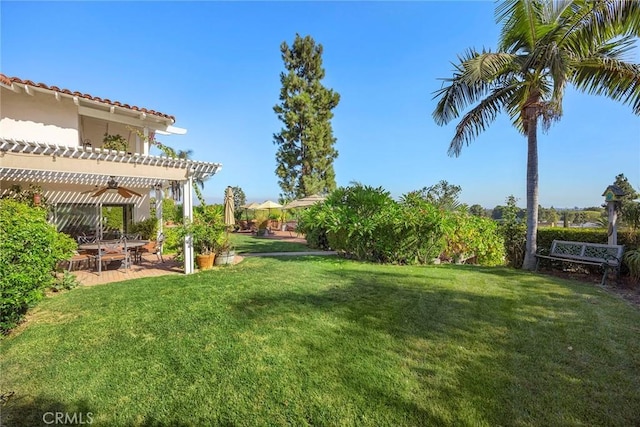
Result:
x=591 y=235
x=30 y=249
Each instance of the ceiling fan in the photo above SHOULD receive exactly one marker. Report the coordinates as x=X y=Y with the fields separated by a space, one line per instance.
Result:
x=112 y=184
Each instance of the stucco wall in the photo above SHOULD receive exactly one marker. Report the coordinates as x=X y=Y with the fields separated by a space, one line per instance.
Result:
x=39 y=118
x=93 y=130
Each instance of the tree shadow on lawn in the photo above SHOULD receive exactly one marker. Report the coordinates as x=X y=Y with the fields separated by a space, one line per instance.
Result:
x=23 y=411
x=496 y=357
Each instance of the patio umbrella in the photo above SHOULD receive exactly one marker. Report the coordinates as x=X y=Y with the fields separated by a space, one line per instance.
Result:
x=268 y=205
x=305 y=201
x=229 y=219
x=249 y=207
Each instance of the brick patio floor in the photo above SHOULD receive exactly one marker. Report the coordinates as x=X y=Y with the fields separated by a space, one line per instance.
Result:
x=152 y=267
x=149 y=267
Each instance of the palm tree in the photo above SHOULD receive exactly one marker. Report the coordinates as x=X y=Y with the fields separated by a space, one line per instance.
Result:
x=544 y=45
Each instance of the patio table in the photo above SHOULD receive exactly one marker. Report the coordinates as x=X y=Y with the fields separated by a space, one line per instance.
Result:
x=94 y=247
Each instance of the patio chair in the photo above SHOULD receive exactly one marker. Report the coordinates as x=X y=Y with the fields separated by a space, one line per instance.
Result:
x=292 y=227
x=114 y=250
x=153 y=247
x=86 y=239
x=78 y=258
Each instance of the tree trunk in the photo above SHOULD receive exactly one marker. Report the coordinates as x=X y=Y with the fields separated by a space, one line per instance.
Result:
x=532 y=193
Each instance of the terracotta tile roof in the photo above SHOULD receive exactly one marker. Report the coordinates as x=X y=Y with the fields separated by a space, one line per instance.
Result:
x=10 y=80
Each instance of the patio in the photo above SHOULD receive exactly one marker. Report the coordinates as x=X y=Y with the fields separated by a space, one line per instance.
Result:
x=149 y=267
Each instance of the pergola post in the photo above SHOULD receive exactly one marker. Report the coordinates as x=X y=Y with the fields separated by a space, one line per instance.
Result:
x=187 y=211
x=159 y=197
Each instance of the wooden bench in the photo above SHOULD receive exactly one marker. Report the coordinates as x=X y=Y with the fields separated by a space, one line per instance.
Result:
x=605 y=256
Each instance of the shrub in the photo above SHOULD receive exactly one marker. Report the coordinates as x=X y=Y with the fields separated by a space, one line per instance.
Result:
x=311 y=224
x=147 y=229
x=367 y=224
x=172 y=242
x=514 y=233
x=632 y=261
x=30 y=249
x=424 y=229
x=475 y=237
x=65 y=282
x=546 y=236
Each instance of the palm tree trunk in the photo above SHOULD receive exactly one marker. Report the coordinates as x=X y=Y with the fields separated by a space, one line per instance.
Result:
x=532 y=193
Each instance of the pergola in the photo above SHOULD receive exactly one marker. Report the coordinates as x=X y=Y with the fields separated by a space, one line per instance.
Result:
x=72 y=169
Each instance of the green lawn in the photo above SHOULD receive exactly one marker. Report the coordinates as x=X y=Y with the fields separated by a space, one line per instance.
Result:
x=325 y=341
x=246 y=243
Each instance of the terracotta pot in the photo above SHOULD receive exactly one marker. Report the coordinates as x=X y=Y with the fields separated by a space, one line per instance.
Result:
x=205 y=262
x=36 y=199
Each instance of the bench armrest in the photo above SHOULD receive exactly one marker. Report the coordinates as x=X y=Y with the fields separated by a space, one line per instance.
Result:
x=609 y=258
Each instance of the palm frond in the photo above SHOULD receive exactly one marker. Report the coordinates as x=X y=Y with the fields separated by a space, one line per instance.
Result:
x=480 y=117
x=615 y=79
x=520 y=20
x=601 y=22
x=473 y=78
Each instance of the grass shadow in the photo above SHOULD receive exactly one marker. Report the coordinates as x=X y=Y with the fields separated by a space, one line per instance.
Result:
x=26 y=411
x=500 y=347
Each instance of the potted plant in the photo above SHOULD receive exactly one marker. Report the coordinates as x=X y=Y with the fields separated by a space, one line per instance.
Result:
x=206 y=229
x=114 y=142
x=225 y=253
x=262 y=222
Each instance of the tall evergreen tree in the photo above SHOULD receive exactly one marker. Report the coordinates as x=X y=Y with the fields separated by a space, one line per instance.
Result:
x=305 y=143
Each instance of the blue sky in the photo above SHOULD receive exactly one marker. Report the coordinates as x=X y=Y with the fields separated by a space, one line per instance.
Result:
x=216 y=65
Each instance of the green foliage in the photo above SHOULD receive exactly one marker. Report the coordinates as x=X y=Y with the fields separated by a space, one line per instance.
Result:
x=632 y=261
x=305 y=144
x=239 y=199
x=206 y=228
x=28 y=196
x=630 y=215
x=262 y=219
x=543 y=48
x=147 y=229
x=477 y=210
x=172 y=240
x=115 y=142
x=30 y=249
x=546 y=236
x=443 y=195
x=513 y=231
x=224 y=244
x=472 y=236
x=66 y=281
x=425 y=229
x=113 y=217
x=367 y=224
x=171 y=211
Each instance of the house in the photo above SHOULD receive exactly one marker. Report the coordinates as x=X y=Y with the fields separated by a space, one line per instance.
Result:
x=55 y=138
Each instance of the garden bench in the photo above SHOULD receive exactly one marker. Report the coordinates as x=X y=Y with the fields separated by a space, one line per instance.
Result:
x=605 y=256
